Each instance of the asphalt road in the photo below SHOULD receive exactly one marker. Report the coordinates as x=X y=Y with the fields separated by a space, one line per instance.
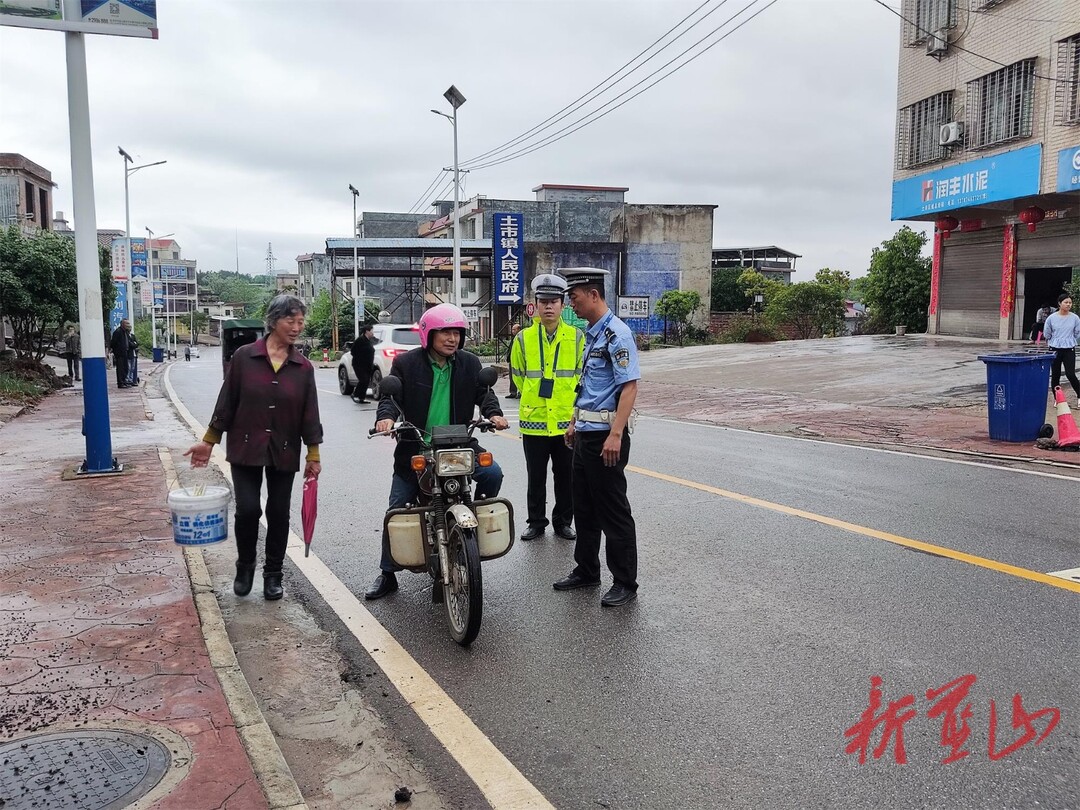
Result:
x=730 y=682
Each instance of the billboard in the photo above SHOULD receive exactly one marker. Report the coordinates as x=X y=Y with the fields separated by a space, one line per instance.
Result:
x=119 y=310
x=138 y=258
x=126 y=18
x=508 y=258
x=974 y=182
x=119 y=261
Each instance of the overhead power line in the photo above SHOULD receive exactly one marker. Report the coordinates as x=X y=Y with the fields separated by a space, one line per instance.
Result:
x=922 y=30
x=606 y=83
x=601 y=112
x=420 y=200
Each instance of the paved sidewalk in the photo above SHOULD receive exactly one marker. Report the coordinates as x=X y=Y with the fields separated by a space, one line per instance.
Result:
x=102 y=631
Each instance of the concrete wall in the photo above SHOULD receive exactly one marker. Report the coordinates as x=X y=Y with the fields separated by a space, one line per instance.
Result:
x=668 y=245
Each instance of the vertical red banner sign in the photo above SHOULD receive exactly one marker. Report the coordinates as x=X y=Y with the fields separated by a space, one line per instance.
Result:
x=1008 y=271
x=935 y=273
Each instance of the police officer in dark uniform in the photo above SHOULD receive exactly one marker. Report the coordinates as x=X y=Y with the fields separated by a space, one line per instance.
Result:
x=600 y=437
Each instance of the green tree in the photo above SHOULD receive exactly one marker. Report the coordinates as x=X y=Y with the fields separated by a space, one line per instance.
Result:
x=677 y=307
x=200 y=321
x=38 y=288
x=812 y=308
x=726 y=295
x=754 y=283
x=897 y=288
x=839 y=279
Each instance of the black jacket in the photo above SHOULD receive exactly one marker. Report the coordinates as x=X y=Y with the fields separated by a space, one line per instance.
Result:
x=363 y=355
x=466 y=394
x=121 y=342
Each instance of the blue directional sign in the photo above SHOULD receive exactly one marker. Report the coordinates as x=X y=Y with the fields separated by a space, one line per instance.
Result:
x=508 y=258
x=119 y=310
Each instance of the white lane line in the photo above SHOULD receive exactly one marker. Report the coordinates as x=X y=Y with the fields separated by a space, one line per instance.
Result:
x=908 y=454
x=502 y=784
x=1072 y=574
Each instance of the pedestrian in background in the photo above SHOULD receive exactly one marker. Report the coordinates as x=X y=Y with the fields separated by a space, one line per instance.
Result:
x=600 y=438
x=73 y=353
x=1040 y=319
x=119 y=344
x=1062 y=330
x=363 y=361
x=133 y=358
x=266 y=406
x=514 y=329
x=545 y=366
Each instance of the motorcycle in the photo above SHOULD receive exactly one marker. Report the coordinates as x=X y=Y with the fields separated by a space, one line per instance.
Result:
x=447 y=533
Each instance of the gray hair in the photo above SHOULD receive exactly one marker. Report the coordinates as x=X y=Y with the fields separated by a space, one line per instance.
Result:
x=283 y=306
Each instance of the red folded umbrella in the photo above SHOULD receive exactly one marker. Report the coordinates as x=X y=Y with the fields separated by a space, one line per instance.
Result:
x=309 y=511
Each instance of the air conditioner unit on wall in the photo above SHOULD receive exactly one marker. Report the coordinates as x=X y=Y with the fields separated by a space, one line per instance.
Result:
x=951 y=133
x=937 y=43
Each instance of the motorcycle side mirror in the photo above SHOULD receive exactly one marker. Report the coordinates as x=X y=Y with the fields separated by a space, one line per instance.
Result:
x=390 y=386
x=488 y=377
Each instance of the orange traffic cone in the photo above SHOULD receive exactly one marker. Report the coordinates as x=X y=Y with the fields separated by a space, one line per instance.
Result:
x=1068 y=435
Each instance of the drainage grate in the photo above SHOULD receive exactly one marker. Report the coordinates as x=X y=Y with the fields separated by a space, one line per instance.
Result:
x=87 y=770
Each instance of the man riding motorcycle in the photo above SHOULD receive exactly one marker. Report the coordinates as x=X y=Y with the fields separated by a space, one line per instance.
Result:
x=440 y=386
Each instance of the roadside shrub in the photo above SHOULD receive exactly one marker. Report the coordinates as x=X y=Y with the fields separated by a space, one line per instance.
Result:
x=746 y=329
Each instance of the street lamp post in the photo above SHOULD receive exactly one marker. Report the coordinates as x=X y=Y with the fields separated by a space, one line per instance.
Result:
x=357 y=299
x=150 y=281
x=456 y=99
x=128 y=171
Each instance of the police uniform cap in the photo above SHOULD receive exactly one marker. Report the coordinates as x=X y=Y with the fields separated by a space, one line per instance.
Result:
x=549 y=285
x=580 y=276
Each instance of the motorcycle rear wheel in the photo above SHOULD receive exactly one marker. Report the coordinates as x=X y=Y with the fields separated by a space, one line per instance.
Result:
x=464 y=598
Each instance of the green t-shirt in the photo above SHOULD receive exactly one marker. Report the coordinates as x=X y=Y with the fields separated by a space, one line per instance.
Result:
x=439 y=410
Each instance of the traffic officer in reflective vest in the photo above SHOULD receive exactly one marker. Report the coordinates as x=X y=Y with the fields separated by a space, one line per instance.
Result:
x=545 y=364
x=600 y=438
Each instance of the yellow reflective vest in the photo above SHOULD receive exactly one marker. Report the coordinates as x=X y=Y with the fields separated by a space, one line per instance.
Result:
x=534 y=358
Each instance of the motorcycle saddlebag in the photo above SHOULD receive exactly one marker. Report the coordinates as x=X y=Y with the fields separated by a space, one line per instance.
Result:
x=495 y=529
x=406 y=528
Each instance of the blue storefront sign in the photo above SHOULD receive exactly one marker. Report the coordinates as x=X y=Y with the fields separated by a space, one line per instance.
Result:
x=1068 y=174
x=508 y=258
x=138 y=258
x=119 y=310
x=972 y=183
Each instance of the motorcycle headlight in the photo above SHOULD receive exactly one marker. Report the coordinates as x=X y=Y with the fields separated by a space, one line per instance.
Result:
x=454 y=462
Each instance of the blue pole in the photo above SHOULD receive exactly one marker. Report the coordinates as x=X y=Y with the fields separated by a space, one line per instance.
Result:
x=99 y=457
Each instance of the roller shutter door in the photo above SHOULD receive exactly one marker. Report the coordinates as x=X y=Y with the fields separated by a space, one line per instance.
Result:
x=1054 y=244
x=969 y=298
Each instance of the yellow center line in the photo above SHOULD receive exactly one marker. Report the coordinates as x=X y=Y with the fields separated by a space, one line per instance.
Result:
x=888 y=537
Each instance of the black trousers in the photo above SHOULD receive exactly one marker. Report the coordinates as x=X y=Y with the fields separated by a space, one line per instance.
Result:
x=247 y=483
x=538 y=450
x=600 y=505
x=74 y=365
x=121 y=363
x=1066 y=358
x=363 y=380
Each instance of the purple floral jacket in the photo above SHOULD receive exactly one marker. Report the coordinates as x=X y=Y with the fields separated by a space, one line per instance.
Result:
x=264 y=414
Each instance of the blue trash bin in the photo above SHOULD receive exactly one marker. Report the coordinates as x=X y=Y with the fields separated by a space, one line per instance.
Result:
x=159 y=354
x=1016 y=390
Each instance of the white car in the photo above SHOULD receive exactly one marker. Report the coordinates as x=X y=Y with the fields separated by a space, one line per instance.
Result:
x=194 y=350
x=390 y=339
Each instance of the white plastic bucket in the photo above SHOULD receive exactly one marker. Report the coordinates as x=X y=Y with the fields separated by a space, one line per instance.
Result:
x=200 y=520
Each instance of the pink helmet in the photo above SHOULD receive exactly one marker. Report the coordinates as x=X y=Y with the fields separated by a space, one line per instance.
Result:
x=443 y=316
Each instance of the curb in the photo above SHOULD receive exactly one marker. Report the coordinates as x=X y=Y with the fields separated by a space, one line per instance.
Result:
x=271 y=769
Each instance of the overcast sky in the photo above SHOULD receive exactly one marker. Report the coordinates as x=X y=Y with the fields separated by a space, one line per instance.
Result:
x=266 y=111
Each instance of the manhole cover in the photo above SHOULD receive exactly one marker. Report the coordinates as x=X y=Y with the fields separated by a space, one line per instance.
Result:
x=87 y=770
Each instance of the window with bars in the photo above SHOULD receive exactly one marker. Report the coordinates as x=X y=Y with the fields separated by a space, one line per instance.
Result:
x=999 y=105
x=917 y=128
x=1067 y=90
x=925 y=17
x=983 y=5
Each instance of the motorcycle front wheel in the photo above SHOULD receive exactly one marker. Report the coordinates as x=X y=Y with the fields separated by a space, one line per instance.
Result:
x=464 y=598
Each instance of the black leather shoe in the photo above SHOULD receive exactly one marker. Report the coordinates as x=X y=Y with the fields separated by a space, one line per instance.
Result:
x=618 y=595
x=384 y=583
x=245 y=575
x=573 y=581
x=272 y=589
x=566 y=532
x=532 y=532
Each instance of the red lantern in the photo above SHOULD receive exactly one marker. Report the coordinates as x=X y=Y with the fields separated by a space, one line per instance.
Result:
x=946 y=225
x=1032 y=216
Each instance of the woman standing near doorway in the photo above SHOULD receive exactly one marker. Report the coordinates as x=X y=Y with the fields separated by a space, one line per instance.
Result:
x=1062 y=331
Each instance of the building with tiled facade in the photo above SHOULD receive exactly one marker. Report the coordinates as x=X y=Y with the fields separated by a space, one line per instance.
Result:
x=988 y=149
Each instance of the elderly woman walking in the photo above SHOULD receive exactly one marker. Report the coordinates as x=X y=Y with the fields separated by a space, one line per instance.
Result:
x=266 y=405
